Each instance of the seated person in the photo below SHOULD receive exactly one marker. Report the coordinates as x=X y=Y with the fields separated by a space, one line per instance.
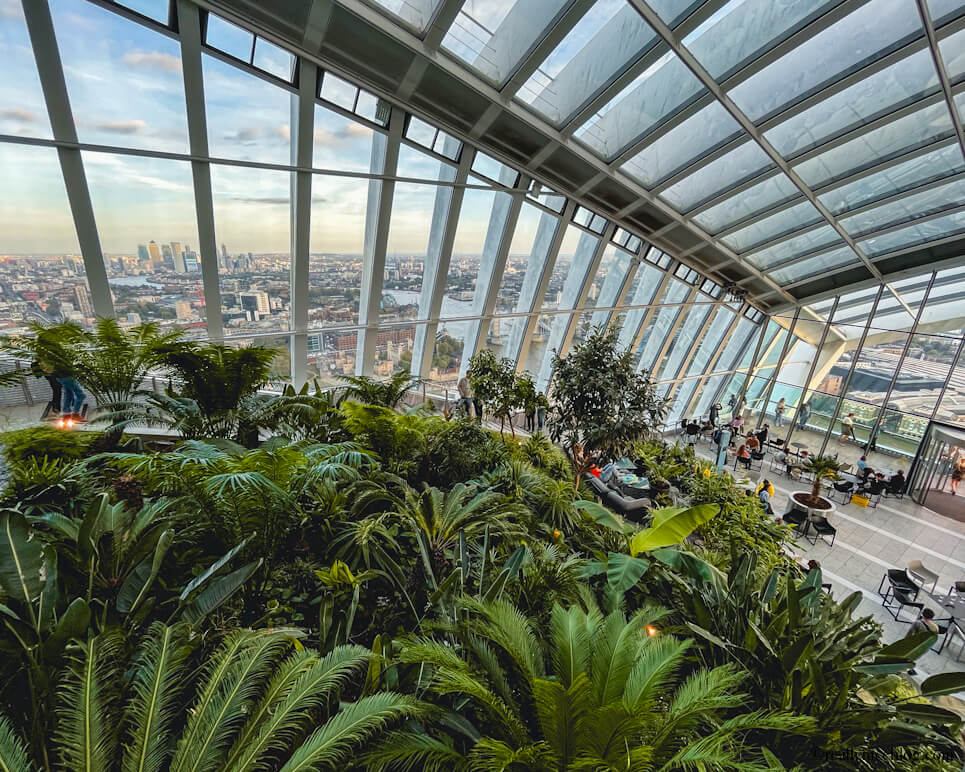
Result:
x=693 y=428
x=763 y=433
x=862 y=463
x=796 y=465
x=753 y=443
x=783 y=455
x=896 y=485
x=737 y=424
x=744 y=456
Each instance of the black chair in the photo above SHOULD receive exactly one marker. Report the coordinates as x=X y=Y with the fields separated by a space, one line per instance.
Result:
x=843 y=489
x=798 y=518
x=777 y=466
x=900 y=592
x=822 y=530
x=952 y=630
x=874 y=492
x=757 y=457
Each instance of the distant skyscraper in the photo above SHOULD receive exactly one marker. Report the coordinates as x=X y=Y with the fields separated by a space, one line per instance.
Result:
x=224 y=256
x=191 y=263
x=82 y=300
x=168 y=255
x=176 y=249
x=155 y=253
x=142 y=254
x=182 y=308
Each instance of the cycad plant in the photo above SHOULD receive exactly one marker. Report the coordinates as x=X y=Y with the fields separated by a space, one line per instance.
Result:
x=592 y=692
x=370 y=391
x=258 y=702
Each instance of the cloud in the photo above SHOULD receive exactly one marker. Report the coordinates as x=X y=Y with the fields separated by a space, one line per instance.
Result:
x=342 y=135
x=18 y=114
x=248 y=134
x=283 y=132
x=274 y=200
x=135 y=126
x=319 y=200
x=153 y=60
x=10 y=9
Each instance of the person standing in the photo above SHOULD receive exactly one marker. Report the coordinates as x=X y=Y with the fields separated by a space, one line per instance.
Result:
x=465 y=395
x=542 y=405
x=957 y=475
x=779 y=412
x=847 y=428
x=476 y=402
x=714 y=413
x=805 y=414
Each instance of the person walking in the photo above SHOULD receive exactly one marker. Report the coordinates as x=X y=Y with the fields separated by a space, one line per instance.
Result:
x=542 y=405
x=779 y=412
x=714 y=413
x=957 y=475
x=42 y=369
x=804 y=415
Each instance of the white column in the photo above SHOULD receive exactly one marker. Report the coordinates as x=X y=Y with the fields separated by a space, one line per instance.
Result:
x=40 y=27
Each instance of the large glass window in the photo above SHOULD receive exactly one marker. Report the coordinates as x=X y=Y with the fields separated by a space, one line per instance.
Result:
x=124 y=79
x=236 y=127
x=341 y=143
x=252 y=224
x=738 y=165
x=145 y=215
x=22 y=108
x=43 y=277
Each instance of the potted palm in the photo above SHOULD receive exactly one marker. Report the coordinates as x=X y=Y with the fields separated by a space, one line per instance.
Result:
x=821 y=468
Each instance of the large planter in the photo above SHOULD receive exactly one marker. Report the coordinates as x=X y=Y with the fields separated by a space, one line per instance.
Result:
x=825 y=510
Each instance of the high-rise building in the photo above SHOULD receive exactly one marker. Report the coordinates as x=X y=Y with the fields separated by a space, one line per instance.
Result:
x=142 y=254
x=82 y=301
x=155 y=253
x=176 y=250
x=168 y=255
x=191 y=262
x=182 y=309
x=224 y=257
x=179 y=266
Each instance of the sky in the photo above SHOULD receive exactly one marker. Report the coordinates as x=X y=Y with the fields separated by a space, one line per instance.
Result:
x=125 y=86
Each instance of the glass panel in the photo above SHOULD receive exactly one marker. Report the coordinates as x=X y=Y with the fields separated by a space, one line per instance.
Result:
x=447 y=355
x=745 y=29
x=836 y=258
x=422 y=166
x=251 y=221
x=331 y=354
x=415 y=13
x=148 y=202
x=235 y=130
x=393 y=349
x=953 y=54
x=876 y=95
x=719 y=325
x=153 y=9
x=905 y=175
x=761 y=196
x=22 y=108
x=42 y=272
x=656 y=333
x=570 y=268
x=478 y=207
x=794 y=247
x=339 y=208
x=946 y=303
x=945 y=10
x=527 y=255
x=338 y=92
x=683 y=342
x=857 y=39
x=226 y=37
x=603 y=42
x=605 y=285
x=123 y=78
x=416 y=211
x=900 y=435
x=492 y=38
x=908 y=208
x=341 y=143
x=731 y=169
x=667 y=155
x=923 y=374
x=274 y=60
x=785 y=221
x=915 y=234
x=885 y=142
x=655 y=95
x=641 y=293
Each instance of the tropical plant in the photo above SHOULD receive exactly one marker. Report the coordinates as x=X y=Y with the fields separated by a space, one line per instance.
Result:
x=600 y=402
x=494 y=383
x=370 y=391
x=589 y=692
x=255 y=705
x=110 y=361
x=806 y=653
x=823 y=468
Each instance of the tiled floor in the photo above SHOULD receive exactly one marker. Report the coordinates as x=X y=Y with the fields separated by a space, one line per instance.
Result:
x=870 y=541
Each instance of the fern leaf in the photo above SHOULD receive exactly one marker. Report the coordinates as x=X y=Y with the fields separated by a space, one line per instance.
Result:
x=355 y=723
x=154 y=705
x=13 y=753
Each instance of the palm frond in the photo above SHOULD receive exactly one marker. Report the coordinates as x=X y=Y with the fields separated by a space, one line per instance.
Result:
x=13 y=752
x=408 y=751
x=350 y=727
x=154 y=706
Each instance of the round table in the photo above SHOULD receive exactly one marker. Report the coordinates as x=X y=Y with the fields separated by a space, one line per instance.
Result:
x=799 y=445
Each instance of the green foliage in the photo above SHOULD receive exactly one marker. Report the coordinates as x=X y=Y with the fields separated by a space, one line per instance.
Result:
x=388 y=394
x=823 y=469
x=600 y=402
x=459 y=451
x=38 y=442
x=494 y=382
